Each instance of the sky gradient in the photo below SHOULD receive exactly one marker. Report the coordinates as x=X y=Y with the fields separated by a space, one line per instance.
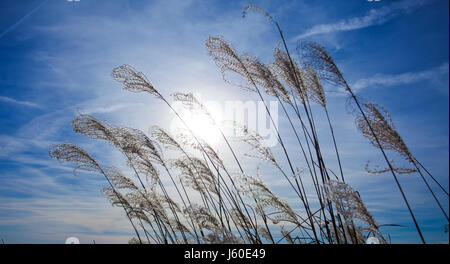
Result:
x=57 y=57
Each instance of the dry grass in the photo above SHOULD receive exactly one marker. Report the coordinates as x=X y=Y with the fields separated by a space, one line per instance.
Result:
x=211 y=205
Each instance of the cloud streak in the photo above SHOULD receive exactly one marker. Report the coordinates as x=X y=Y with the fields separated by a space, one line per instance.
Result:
x=20 y=21
x=404 y=78
x=18 y=102
x=373 y=17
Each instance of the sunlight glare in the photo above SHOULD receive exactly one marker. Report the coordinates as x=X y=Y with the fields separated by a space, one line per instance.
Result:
x=204 y=128
x=200 y=124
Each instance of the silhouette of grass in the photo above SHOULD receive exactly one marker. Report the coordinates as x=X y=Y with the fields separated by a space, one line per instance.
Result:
x=214 y=205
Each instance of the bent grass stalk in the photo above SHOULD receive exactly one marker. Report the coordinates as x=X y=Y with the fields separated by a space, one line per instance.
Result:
x=239 y=210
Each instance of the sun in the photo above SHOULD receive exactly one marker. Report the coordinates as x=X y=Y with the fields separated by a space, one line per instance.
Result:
x=204 y=128
x=201 y=125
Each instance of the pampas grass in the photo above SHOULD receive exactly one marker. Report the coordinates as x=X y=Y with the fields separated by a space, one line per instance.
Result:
x=213 y=204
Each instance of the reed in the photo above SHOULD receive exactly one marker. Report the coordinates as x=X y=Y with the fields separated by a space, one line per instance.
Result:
x=212 y=203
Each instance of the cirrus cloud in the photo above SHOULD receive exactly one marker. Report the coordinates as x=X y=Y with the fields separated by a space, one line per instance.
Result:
x=373 y=17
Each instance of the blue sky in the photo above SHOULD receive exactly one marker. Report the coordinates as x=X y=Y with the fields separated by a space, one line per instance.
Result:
x=56 y=60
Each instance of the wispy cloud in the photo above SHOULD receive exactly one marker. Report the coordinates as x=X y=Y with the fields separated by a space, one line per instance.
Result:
x=404 y=78
x=373 y=17
x=20 y=21
x=14 y=101
x=104 y=109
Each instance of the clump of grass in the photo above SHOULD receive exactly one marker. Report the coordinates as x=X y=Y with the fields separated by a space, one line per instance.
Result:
x=211 y=205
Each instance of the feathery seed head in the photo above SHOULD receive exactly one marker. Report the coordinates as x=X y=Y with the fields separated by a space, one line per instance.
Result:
x=227 y=59
x=383 y=127
x=314 y=86
x=317 y=57
x=75 y=154
x=292 y=77
x=258 y=9
x=133 y=80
